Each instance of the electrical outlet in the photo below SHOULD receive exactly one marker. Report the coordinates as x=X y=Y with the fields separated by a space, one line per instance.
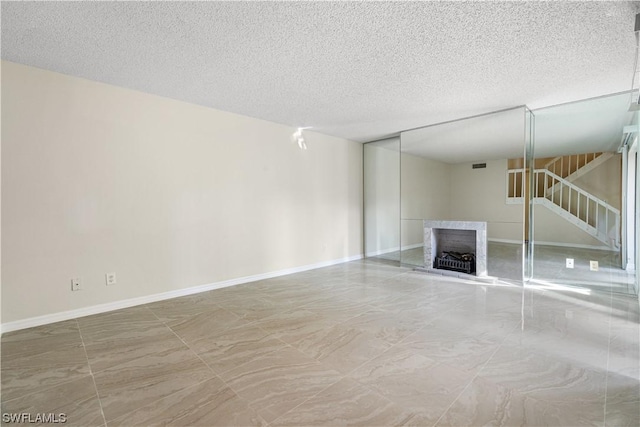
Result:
x=569 y=262
x=593 y=265
x=110 y=278
x=76 y=285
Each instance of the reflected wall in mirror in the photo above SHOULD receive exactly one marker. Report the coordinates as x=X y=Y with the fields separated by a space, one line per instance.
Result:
x=458 y=171
x=382 y=199
x=584 y=195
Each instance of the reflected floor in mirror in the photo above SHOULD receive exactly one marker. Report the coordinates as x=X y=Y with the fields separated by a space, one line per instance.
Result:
x=360 y=343
x=549 y=266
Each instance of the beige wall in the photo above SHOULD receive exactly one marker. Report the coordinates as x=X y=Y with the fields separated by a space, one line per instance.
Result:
x=168 y=195
x=480 y=195
x=382 y=197
x=605 y=181
x=425 y=195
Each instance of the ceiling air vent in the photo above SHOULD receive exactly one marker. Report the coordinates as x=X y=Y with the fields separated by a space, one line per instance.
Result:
x=479 y=165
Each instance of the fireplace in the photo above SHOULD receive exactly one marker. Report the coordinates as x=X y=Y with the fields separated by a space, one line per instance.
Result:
x=458 y=246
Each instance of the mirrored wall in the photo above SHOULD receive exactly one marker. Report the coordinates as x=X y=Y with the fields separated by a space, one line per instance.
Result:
x=382 y=199
x=584 y=196
x=549 y=196
x=457 y=173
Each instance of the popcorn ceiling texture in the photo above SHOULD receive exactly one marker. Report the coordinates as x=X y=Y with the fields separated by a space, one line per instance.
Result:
x=357 y=70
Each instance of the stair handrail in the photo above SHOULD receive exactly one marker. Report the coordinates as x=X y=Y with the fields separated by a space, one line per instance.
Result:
x=576 y=188
x=576 y=156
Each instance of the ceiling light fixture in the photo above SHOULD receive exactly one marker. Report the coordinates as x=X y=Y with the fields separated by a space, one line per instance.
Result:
x=299 y=138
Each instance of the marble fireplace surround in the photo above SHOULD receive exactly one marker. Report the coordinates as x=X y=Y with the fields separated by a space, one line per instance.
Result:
x=461 y=236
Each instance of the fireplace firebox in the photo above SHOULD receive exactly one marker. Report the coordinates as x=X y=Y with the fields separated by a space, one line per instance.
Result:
x=459 y=246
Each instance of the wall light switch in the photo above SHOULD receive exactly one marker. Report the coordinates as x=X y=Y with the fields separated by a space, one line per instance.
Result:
x=75 y=284
x=569 y=262
x=593 y=265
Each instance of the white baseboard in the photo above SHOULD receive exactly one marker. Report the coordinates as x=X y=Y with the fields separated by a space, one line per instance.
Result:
x=117 y=305
x=395 y=249
x=512 y=241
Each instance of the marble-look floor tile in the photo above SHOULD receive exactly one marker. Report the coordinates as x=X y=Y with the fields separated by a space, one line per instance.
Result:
x=415 y=382
x=546 y=378
x=581 y=350
x=422 y=306
x=624 y=350
x=622 y=400
x=235 y=347
x=470 y=353
x=207 y=404
x=142 y=381
x=42 y=371
x=337 y=308
x=297 y=324
x=407 y=282
x=32 y=341
x=486 y=403
x=372 y=275
x=280 y=381
x=369 y=294
x=129 y=323
x=251 y=309
x=203 y=325
x=77 y=400
x=384 y=325
x=365 y=342
x=483 y=403
x=343 y=347
x=109 y=354
x=232 y=293
x=346 y=403
x=176 y=309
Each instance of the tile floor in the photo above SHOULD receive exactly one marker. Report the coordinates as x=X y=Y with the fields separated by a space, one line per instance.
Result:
x=361 y=343
x=505 y=261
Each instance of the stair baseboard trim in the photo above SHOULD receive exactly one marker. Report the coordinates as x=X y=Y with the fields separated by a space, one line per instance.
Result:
x=560 y=244
x=574 y=245
x=117 y=305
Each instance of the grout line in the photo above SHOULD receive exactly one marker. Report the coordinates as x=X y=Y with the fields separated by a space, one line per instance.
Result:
x=308 y=399
x=210 y=368
x=606 y=381
x=95 y=386
x=475 y=376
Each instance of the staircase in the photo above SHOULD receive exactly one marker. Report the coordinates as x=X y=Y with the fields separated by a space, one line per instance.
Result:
x=577 y=165
x=553 y=188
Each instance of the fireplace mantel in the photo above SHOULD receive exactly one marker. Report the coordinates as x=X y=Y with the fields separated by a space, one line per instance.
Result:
x=458 y=236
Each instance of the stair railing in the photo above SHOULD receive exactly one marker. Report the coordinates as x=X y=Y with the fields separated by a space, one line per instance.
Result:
x=598 y=214
x=563 y=166
x=515 y=190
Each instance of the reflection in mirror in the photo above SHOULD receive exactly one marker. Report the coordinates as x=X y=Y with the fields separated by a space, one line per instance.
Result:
x=382 y=199
x=457 y=172
x=584 y=195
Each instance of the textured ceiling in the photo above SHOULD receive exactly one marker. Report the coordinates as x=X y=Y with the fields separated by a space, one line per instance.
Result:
x=589 y=126
x=358 y=70
x=488 y=137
